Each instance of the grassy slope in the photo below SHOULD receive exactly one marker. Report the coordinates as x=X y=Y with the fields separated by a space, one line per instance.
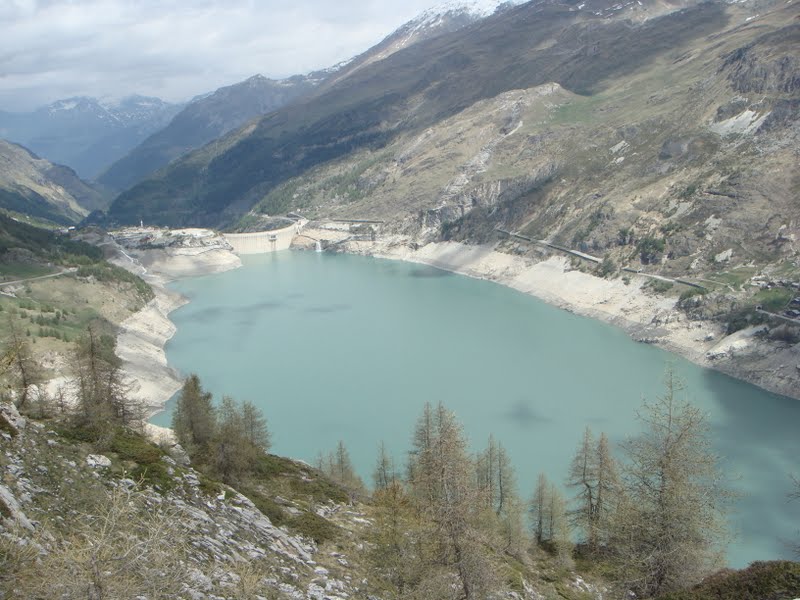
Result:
x=40 y=189
x=54 y=312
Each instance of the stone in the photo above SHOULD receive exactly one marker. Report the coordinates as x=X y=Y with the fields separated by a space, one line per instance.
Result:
x=97 y=461
x=10 y=419
x=10 y=508
x=724 y=256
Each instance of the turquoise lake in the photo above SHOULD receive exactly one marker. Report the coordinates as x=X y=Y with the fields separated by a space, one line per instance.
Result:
x=338 y=347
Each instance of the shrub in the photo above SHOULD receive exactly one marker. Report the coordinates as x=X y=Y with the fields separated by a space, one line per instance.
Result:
x=692 y=292
x=785 y=333
x=660 y=286
x=607 y=267
x=313 y=526
x=131 y=446
x=209 y=486
x=650 y=248
x=760 y=581
x=320 y=489
x=266 y=505
x=742 y=318
x=154 y=474
x=773 y=300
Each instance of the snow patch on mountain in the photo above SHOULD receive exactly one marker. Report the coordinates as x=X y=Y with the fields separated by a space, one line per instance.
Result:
x=127 y=111
x=476 y=9
x=441 y=18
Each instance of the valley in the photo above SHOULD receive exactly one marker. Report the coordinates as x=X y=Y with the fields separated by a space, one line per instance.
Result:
x=533 y=267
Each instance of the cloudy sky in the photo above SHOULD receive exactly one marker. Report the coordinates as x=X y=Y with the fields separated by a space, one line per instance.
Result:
x=175 y=49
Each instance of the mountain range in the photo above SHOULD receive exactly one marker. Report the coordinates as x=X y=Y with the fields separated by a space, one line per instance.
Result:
x=88 y=135
x=213 y=115
x=645 y=131
x=618 y=128
x=123 y=143
x=202 y=121
x=85 y=133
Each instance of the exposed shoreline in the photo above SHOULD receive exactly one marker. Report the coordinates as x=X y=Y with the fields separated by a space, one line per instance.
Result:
x=646 y=317
x=143 y=336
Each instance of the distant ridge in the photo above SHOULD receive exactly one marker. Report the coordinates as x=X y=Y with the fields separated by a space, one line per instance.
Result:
x=34 y=187
x=85 y=133
x=203 y=120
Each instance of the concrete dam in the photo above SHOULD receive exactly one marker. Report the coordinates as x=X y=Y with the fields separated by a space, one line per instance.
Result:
x=262 y=242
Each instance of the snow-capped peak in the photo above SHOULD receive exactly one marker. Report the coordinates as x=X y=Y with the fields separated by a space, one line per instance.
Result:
x=446 y=14
x=476 y=9
x=71 y=104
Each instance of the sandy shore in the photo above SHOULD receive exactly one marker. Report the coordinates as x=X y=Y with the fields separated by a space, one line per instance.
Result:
x=143 y=335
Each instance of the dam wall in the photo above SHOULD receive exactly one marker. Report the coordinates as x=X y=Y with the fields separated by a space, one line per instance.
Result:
x=262 y=242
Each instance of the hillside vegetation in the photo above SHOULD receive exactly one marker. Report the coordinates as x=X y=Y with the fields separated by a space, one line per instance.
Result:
x=202 y=121
x=54 y=287
x=34 y=188
x=84 y=488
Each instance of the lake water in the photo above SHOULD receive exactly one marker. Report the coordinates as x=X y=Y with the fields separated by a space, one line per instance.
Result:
x=340 y=347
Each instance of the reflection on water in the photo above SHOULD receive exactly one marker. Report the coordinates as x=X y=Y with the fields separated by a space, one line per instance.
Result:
x=523 y=413
x=330 y=308
x=342 y=347
x=425 y=271
x=756 y=435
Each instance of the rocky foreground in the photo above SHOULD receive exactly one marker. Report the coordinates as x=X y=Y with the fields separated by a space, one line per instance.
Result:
x=222 y=544
x=136 y=521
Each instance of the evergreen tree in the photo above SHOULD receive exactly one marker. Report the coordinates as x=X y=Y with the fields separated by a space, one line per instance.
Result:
x=232 y=451
x=558 y=525
x=607 y=491
x=384 y=474
x=583 y=476
x=538 y=509
x=194 y=418
x=102 y=394
x=548 y=516
x=22 y=370
x=446 y=492
x=593 y=473
x=254 y=426
x=497 y=490
x=669 y=531
x=338 y=466
x=398 y=554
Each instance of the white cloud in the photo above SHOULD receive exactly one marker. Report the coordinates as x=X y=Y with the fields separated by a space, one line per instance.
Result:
x=176 y=49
